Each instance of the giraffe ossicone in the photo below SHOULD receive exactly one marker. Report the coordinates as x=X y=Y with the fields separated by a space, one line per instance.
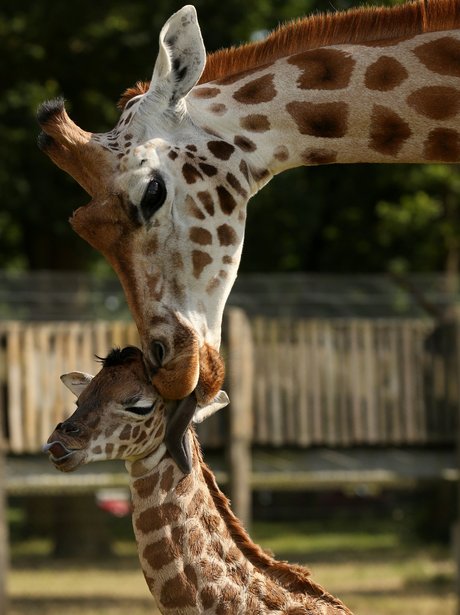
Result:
x=195 y=555
x=170 y=183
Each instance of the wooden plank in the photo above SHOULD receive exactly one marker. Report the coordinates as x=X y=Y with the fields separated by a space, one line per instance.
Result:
x=276 y=409
x=15 y=420
x=369 y=376
x=301 y=371
x=44 y=403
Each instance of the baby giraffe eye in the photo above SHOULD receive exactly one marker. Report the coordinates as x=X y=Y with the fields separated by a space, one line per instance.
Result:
x=141 y=410
x=154 y=197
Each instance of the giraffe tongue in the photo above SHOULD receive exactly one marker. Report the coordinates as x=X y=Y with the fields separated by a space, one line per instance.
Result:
x=176 y=439
x=56 y=449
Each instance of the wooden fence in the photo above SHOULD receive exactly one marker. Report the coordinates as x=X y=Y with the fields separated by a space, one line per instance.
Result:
x=308 y=382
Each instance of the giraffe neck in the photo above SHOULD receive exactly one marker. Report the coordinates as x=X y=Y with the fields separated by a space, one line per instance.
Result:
x=197 y=558
x=389 y=101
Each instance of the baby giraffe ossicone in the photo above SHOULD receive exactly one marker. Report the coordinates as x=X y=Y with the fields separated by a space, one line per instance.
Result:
x=196 y=556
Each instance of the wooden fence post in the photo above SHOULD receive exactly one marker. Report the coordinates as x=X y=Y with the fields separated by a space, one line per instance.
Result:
x=4 y=550
x=240 y=369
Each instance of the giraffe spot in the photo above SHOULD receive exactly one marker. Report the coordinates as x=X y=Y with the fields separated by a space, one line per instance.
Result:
x=244 y=170
x=441 y=56
x=191 y=175
x=235 y=184
x=184 y=485
x=442 y=145
x=226 y=200
x=323 y=69
x=281 y=153
x=97 y=450
x=245 y=144
x=208 y=596
x=199 y=261
x=200 y=236
x=211 y=570
x=177 y=260
x=227 y=604
x=191 y=148
x=227 y=260
x=257 y=91
x=226 y=235
x=144 y=487
x=388 y=131
x=109 y=448
x=157 y=517
x=121 y=451
x=126 y=433
x=259 y=175
x=230 y=79
x=136 y=431
x=327 y=120
x=191 y=575
x=385 y=74
x=436 y=102
x=255 y=122
x=195 y=541
x=205 y=92
x=221 y=149
x=318 y=156
x=193 y=209
x=178 y=592
x=213 y=284
x=167 y=479
x=177 y=536
x=195 y=505
x=173 y=155
x=218 y=109
x=208 y=169
x=206 y=199
x=160 y=553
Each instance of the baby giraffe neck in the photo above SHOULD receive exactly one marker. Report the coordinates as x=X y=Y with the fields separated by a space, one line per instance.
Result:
x=197 y=558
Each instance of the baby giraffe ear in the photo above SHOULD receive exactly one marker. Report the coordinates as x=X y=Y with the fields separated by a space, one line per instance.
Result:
x=181 y=59
x=76 y=382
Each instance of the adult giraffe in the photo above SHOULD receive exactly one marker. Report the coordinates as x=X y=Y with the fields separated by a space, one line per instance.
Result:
x=171 y=181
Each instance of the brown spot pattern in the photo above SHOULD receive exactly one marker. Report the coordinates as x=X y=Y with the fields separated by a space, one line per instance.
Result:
x=167 y=479
x=388 y=131
x=196 y=541
x=323 y=69
x=208 y=596
x=327 y=120
x=245 y=144
x=206 y=199
x=194 y=210
x=145 y=486
x=318 y=156
x=244 y=169
x=125 y=433
x=442 y=145
x=191 y=175
x=196 y=504
x=173 y=155
x=385 y=74
x=205 y=92
x=257 y=91
x=200 y=236
x=441 y=56
x=178 y=592
x=235 y=184
x=199 y=261
x=218 y=108
x=221 y=149
x=436 y=102
x=255 y=122
x=208 y=169
x=226 y=200
x=184 y=485
x=226 y=235
x=160 y=553
x=281 y=153
x=157 y=517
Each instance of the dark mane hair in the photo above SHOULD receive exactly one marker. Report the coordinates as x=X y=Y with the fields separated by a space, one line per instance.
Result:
x=355 y=26
x=120 y=356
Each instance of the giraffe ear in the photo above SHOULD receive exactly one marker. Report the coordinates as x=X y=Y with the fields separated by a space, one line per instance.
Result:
x=203 y=412
x=76 y=382
x=181 y=59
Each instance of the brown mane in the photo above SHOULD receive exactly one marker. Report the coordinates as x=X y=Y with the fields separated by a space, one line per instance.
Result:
x=293 y=577
x=359 y=25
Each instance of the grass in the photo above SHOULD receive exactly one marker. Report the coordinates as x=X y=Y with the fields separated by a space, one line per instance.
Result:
x=373 y=569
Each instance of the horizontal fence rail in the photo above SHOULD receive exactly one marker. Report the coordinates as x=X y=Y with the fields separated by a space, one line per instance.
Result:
x=336 y=382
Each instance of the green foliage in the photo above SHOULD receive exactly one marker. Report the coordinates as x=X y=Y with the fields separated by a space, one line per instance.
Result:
x=337 y=218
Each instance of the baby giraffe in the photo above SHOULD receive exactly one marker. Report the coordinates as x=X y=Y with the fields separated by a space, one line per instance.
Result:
x=196 y=556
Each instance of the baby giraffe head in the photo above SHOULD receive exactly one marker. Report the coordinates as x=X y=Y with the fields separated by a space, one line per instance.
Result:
x=120 y=415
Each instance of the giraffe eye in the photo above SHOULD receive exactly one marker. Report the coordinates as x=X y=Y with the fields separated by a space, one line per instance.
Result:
x=140 y=410
x=154 y=197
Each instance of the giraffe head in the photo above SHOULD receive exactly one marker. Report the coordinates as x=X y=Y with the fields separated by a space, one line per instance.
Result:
x=120 y=415
x=167 y=211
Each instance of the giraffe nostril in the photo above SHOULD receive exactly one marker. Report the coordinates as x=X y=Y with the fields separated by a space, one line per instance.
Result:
x=69 y=428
